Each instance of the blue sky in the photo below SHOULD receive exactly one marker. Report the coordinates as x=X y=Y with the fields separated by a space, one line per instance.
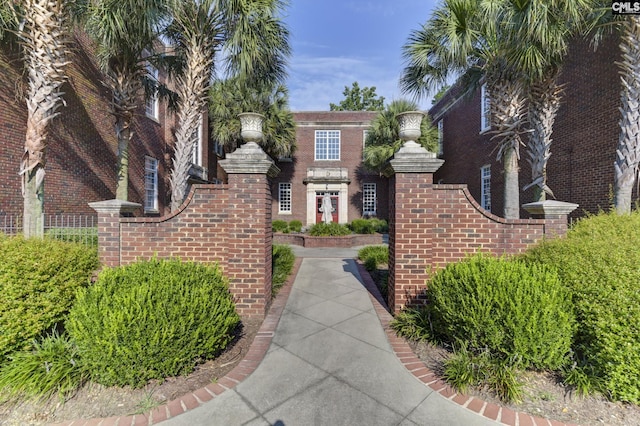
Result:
x=337 y=42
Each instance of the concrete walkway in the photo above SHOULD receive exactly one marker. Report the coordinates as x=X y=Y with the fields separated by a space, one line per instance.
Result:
x=330 y=362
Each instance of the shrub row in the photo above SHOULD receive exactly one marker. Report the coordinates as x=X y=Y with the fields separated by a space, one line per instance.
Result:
x=286 y=227
x=282 y=265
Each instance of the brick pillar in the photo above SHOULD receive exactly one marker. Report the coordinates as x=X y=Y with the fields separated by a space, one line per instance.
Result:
x=410 y=222
x=555 y=213
x=250 y=234
x=109 y=214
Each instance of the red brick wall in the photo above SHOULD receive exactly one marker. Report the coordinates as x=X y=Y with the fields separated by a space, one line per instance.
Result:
x=81 y=154
x=433 y=225
x=580 y=169
x=225 y=224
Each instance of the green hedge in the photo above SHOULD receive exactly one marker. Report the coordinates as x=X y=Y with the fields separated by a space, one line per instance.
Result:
x=328 y=230
x=369 y=226
x=599 y=261
x=520 y=313
x=151 y=320
x=38 y=283
x=372 y=256
x=280 y=226
x=282 y=265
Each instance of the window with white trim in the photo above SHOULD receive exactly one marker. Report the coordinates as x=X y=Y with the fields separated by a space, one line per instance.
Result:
x=485 y=108
x=196 y=157
x=150 y=185
x=284 y=197
x=440 y=137
x=152 y=104
x=369 y=200
x=327 y=145
x=485 y=187
x=365 y=133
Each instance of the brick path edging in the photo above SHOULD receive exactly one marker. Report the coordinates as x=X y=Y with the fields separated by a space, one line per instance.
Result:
x=255 y=354
x=412 y=363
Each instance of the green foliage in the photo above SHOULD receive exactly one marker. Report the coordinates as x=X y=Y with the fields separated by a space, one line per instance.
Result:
x=368 y=226
x=374 y=256
x=52 y=366
x=357 y=99
x=598 y=262
x=516 y=311
x=582 y=379
x=87 y=236
x=280 y=226
x=328 y=230
x=151 y=320
x=282 y=261
x=413 y=324
x=38 y=283
x=295 y=226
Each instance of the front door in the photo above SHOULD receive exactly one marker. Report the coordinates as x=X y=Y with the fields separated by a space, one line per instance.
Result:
x=334 y=204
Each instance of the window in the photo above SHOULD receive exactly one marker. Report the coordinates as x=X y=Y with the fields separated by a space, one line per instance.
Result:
x=485 y=187
x=365 y=133
x=197 y=146
x=327 y=144
x=440 y=137
x=150 y=184
x=218 y=148
x=151 y=106
x=485 y=109
x=369 y=199
x=285 y=198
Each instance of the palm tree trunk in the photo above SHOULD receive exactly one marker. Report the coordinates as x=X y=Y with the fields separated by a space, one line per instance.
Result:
x=44 y=40
x=192 y=89
x=507 y=105
x=628 y=150
x=544 y=102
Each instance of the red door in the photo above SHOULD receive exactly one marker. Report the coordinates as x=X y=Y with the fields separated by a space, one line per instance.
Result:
x=334 y=204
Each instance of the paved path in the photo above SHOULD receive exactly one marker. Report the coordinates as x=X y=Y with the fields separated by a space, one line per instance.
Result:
x=330 y=363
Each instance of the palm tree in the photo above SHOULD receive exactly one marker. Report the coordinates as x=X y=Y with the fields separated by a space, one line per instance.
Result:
x=628 y=149
x=42 y=27
x=463 y=37
x=231 y=97
x=382 y=137
x=124 y=33
x=258 y=44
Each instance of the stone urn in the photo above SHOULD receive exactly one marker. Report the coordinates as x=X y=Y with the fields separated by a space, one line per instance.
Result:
x=409 y=123
x=251 y=124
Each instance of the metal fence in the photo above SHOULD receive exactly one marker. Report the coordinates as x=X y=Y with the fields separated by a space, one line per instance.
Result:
x=75 y=228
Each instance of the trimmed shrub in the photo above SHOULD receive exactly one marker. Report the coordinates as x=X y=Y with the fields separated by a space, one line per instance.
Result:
x=279 y=226
x=372 y=256
x=52 y=366
x=295 y=226
x=38 y=283
x=332 y=229
x=517 y=312
x=598 y=261
x=151 y=320
x=363 y=226
x=282 y=265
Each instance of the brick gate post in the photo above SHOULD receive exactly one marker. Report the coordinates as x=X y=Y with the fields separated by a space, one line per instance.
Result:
x=250 y=235
x=410 y=222
x=109 y=214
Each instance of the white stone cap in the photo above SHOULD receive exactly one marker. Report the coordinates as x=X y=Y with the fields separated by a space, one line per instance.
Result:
x=550 y=208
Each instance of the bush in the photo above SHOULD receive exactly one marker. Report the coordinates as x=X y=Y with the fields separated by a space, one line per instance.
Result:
x=151 y=320
x=295 y=226
x=328 y=230
x=598 y=261
x=52 y=366
x=372 y=256
x=282 y=265
x=369 y=226
x=38 y=283
x=517 y=312
x=280 y=226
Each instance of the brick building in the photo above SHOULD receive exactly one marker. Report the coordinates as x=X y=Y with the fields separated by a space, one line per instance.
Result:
x=329 y=160
x=82 y=150
x=580 y=169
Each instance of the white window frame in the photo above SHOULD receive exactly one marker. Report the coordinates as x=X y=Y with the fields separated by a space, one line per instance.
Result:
x=150 y=185
x=196 y=157
x=328 y=152
x=152 y=104
x=441 y=137
x=364 y=141
x=369 y=199
x=485 y=187
x=284 y=198
x=485 y=109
